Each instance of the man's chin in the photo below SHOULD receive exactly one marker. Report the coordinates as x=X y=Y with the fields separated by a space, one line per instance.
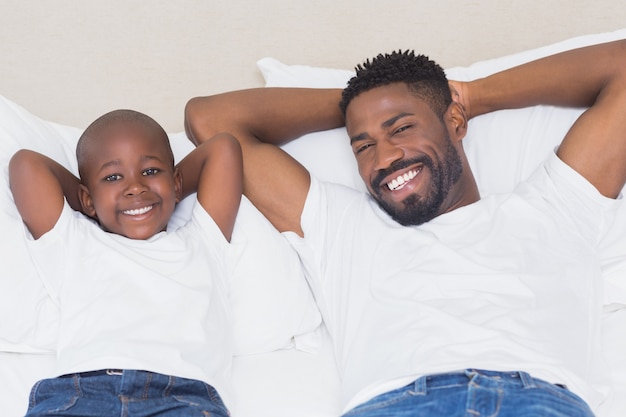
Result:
x=409 y=212
x=399 y=214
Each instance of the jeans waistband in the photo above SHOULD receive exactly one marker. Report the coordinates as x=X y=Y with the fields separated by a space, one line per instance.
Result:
x=101 y=372
x=477 y=376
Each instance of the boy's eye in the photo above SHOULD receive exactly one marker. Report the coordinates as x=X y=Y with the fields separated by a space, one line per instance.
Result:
x=151 y=171
x=112 y=177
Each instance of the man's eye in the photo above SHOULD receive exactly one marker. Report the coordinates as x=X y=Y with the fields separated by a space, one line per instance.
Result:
x=151 y=171
x=112 y=177
x=362 y=148
x=401 y=129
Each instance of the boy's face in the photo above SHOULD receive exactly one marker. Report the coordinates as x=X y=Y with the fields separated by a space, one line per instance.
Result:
x=130 y=185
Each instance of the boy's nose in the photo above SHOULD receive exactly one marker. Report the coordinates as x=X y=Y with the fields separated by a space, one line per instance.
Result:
x=135 y=187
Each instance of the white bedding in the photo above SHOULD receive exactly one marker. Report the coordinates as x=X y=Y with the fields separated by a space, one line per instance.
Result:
x=284 y=365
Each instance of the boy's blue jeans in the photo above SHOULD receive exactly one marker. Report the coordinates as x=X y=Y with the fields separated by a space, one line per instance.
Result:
x=475 y=393
x=111 y=393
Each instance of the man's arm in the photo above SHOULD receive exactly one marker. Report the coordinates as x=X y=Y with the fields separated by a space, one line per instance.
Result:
x=39 y=186
x=215 y=170
x=261 y=119
x=593 y=77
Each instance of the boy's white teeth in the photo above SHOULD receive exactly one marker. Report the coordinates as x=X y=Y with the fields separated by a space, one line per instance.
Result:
x=136 y=212
x=399 y=182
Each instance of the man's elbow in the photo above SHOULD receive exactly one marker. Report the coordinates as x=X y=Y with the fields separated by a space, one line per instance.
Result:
x=197 y=115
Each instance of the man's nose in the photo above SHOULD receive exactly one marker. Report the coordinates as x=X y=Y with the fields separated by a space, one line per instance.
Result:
x=386 y=154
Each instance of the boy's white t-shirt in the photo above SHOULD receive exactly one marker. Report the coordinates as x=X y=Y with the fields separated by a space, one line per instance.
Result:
x=503 y=284
x=158 y=305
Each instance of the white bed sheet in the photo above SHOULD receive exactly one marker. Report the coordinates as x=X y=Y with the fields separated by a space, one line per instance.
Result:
x=282 y=383
x=290 y=382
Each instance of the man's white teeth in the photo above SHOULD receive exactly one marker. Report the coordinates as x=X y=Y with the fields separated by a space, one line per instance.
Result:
x=136 y=212
x=401 y=180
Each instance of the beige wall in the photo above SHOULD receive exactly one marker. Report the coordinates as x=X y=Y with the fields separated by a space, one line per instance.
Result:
x=70 y=61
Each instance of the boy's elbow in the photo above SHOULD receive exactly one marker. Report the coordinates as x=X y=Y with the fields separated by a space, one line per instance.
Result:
x=227 y=147
x=21 y=160
x=20 y=155
x=23 y=166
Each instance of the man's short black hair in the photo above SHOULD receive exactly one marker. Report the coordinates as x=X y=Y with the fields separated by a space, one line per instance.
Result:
x=423 y=76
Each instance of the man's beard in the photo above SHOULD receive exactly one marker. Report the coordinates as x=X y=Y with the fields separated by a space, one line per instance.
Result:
x=418 y=210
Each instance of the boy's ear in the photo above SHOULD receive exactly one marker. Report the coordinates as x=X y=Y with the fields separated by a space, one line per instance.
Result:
x=86 y=201
x=178 y=184
x=458 y=121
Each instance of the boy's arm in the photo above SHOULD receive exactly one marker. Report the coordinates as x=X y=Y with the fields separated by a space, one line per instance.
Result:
x=261 y=119
x=593 y=77
x=39 y=186
x=215 y=170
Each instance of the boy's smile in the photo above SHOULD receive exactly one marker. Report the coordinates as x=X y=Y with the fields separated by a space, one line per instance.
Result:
x=138 y=212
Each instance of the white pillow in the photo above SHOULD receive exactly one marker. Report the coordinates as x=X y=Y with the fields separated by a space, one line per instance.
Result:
x=272 y=304
x=277 y=74
x=29 y=317
x=503 y=147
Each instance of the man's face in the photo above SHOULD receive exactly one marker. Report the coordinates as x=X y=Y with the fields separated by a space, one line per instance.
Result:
x=404 y=153
x=131 y=186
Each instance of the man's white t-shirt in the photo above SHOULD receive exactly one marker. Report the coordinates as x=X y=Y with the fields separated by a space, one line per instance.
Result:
x=507 y=283
x=158 y=305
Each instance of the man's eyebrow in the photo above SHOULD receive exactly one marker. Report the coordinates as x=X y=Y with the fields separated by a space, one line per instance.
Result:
x=360 y=136
x=385 y=124
x=394 y=119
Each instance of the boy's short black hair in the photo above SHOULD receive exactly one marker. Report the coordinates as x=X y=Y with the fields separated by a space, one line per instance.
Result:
x=119 y=116
x=423 y=76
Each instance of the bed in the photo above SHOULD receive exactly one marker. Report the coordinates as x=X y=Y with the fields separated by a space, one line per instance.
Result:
x=284 y=364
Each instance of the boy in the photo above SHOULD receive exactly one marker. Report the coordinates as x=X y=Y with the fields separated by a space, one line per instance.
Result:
x=144 y=317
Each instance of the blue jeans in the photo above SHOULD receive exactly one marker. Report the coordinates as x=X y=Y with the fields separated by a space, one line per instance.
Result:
x=475 y=393
x=126 y=393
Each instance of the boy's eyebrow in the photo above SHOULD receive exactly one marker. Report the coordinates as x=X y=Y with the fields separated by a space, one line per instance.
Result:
x=385 y=124
x=116 y=162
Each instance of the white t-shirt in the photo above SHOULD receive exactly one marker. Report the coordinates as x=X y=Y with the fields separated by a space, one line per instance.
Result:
x=506 y=283
x=159 y=305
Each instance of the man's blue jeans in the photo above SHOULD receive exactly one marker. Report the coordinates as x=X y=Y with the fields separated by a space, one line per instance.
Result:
x=124 y=393
x=475 y=393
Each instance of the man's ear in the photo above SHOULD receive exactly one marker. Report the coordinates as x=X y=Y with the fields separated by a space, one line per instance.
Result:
x=86 y=201
x=178 y=184
x=457 y=121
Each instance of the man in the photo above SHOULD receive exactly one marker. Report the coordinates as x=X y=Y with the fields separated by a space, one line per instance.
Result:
x=441 y=303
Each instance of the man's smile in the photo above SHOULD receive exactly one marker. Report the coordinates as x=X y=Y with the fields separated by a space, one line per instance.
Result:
x=401 y=180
